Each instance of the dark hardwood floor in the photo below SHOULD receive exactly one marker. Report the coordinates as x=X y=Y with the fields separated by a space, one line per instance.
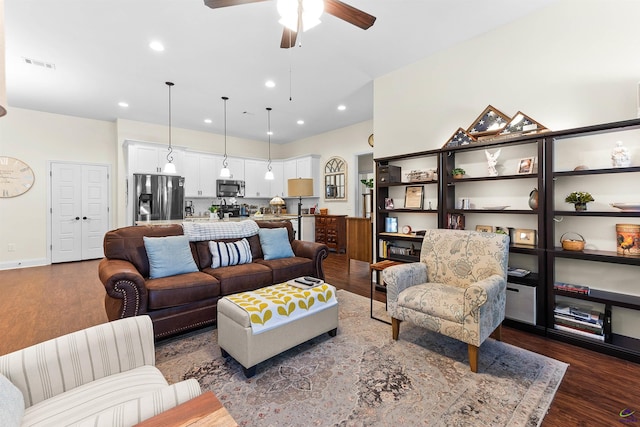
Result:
x=40 y=303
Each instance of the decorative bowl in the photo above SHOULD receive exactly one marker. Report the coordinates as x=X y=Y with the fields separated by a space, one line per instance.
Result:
x=631 y=207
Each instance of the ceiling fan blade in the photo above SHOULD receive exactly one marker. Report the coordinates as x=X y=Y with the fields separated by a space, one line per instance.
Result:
x=215 y=4
x=348 y=13
x=288 y=38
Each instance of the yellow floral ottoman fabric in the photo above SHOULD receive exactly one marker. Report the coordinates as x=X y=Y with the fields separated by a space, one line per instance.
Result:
x=279 y=304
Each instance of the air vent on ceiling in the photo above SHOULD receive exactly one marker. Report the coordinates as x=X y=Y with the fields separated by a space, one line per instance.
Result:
x=38 y=63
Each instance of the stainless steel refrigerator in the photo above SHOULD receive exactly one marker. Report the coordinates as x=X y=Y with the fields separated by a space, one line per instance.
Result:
x=158 y=197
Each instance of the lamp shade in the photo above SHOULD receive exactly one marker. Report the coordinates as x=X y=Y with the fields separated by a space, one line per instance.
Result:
x=277 y=201
x=300 y=187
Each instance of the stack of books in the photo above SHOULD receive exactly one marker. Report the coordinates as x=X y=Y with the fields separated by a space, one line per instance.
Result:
x=580 y=320
x=570 y=287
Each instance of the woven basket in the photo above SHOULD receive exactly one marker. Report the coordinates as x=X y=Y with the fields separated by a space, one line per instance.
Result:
x=571 y=244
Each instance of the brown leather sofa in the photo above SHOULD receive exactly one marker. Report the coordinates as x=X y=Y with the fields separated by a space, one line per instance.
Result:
x=188 y=301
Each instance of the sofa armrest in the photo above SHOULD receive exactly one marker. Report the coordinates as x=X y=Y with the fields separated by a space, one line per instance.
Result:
x=47 y=369
x=145 y=407
x=400 y=277
x=125 y=286
x=317 y=252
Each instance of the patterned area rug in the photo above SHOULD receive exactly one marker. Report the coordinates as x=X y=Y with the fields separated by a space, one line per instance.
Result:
x=362 y=377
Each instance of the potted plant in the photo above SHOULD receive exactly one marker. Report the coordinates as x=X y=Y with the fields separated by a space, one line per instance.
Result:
x=213 y=212
x=367 y=182
x=579 y=199
x=458 y=173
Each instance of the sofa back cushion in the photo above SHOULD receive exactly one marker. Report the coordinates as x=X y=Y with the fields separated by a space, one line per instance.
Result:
x=127 y=243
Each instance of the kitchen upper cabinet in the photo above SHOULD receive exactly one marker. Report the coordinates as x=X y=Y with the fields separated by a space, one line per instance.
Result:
x=303 y=167
x=151 y=158
x=200 y=175
x=235 y=165
x=256 y=185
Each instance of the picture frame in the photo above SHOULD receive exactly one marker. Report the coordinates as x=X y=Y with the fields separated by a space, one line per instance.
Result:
x=526 y=165
x=391 y=224
x=455 y=221
x=525 y=236
x=413 y=197
x=388 y=203
x=484 y=228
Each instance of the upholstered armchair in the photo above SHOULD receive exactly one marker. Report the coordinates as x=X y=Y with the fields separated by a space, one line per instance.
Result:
x=457 y=289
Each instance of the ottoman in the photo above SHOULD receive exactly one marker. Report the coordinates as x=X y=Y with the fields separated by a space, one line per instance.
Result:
x=257 y=325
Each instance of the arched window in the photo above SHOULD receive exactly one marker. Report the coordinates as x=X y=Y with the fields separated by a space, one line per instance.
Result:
x=335 y=179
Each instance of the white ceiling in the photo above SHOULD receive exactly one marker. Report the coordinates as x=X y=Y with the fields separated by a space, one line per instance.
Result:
x=101 y=57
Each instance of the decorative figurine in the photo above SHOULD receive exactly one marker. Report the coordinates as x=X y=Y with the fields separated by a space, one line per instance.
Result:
x=620 y=156
x=492 y=161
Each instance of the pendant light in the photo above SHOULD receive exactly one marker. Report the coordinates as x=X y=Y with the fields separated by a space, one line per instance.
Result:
x=169 y=167
x=225 y=172
x=269 y=174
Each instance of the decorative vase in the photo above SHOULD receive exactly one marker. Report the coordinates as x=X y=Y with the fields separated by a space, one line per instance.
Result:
x=533 y=199
x=580 y=206
x=458 y=176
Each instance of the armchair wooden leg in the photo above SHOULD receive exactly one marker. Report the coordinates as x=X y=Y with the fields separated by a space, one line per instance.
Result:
x=497 y=333
x=395 y=328
x=473 y=357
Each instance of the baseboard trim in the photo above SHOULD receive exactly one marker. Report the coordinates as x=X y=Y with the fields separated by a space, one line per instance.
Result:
x=8 y=265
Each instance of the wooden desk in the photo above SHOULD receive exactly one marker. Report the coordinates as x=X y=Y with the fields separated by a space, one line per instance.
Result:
x=359 y=240
x=202 y=411
x=378 y=267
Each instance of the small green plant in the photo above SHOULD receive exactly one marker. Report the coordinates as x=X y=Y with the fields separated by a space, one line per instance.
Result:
x=579 y=197
x=367 y=182
x=213 y=209
x=458 y=171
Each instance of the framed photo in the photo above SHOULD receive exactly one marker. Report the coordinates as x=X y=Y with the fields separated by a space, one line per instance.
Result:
x=526 y=165
x=484 y=228
x=388 y=203
x=525 y=236
x=413 y=197
x=455 y=221
x=391 y=224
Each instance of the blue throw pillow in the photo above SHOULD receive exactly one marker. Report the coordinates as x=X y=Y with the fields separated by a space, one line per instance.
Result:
x=231 y=253
x=169 y=256
x=275 y=243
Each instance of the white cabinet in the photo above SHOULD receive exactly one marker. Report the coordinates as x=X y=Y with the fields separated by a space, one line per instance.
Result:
x=199 y=175
x=151 y=158
x=254 y=184
x=235 y=165
x=302 y=167
x=277 y=185
x=308 y=224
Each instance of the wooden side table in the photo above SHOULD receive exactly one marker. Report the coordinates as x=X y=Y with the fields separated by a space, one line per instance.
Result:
x=204 y=411
x=378 y=267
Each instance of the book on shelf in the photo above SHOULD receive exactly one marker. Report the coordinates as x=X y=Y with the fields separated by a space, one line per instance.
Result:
x=578 y=332
x=579 y=312
x=570 y=287
x=517 y=272
x=580 y=324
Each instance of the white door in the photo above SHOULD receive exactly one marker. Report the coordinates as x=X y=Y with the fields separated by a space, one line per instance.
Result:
x=79 y=211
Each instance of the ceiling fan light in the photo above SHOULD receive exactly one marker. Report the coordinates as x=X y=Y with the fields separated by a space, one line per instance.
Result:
x=311 y=12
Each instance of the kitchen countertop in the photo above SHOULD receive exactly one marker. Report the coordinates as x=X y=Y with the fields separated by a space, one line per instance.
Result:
x=233 y=219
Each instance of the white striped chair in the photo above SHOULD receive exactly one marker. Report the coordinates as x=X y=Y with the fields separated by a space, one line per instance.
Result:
x=103 y=375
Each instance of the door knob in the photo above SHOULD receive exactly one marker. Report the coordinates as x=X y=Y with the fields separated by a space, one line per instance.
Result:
x=77 y=218
x=84 y=217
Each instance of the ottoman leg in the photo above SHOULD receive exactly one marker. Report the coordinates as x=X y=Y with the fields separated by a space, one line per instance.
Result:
x=224 y=352
x=249 y=372
x=333 y=332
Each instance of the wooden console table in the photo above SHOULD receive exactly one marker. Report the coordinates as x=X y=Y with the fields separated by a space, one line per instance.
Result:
x=202 y=411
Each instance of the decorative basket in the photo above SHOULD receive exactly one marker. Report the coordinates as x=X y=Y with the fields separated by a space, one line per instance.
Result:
x=324 y=211
x=572 y=244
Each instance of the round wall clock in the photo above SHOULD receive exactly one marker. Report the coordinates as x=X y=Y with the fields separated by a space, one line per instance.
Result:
x=16 y=177
x=371 y=140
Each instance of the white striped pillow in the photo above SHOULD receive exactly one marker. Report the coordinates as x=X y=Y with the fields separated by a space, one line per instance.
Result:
x=232 y=253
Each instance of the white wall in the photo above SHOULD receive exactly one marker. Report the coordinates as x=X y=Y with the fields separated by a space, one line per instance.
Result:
x=571 y=64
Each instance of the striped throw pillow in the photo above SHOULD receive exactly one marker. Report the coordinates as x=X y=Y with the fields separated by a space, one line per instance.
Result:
x=232 y=253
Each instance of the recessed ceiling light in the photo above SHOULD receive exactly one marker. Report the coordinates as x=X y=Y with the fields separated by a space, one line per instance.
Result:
x=157 y=46
x=300 y=122
x=123 y=104
x=342 y=107
x=270 y=83
x=270 y=133
x=208 y=121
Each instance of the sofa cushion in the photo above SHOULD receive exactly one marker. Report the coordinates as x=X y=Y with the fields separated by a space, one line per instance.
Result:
x=231 y=253
x=173 y=291
x=11 y=403
x=169 y=256
x=288 y=268
x=89 y=399
x=275 y=243
x=240 y=278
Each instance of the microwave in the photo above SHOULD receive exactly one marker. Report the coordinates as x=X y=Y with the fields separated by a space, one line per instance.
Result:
x=229 y=188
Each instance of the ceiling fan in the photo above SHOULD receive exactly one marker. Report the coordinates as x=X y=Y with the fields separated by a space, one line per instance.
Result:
x=333 y=7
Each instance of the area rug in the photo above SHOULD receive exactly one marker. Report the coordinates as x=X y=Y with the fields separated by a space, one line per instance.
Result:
x=361 y=377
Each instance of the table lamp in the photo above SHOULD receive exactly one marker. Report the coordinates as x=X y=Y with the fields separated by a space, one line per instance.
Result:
x=300 y=187
x=278 y=203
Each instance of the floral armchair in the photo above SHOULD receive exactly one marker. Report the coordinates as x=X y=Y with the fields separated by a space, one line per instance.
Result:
x=457 y=289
